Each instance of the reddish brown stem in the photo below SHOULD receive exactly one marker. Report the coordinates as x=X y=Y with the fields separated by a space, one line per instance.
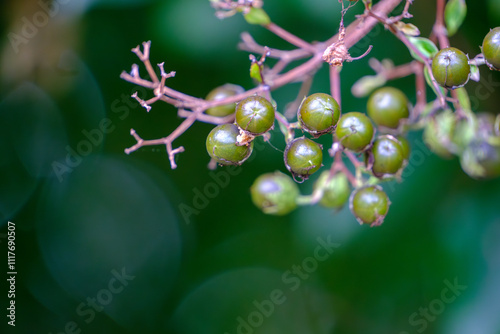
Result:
x=439 y=29
x=335 y=83
x=198 y=106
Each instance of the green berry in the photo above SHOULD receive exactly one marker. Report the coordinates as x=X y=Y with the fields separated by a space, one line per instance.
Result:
x=255 y=115
x=405 y=146
x=450 y=68
x=387 y=156
x=318 y=114
x=355 y=131
x=221 y=93
x=438 y=133
x=369 y=205
x=275 y=193
x=486 y=123
x=481 y=160
x=387 y=106
x=221 y=145
x=335 y=189
x=303 y=157
x=491 y=49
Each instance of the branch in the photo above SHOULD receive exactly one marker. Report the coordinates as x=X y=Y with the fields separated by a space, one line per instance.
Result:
x=402 y=37
x=290 y=38
x=439 y=29
x=335 y=84
x=354 y=33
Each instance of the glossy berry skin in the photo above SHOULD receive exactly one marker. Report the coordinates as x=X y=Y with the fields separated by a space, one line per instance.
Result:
x=255 y=115
x=221 y=93
x=405 y=146
x=491 y=49
x=303 y=157
x=275 y=193
x=481 y=160
x=221 y=145
x=318 y=114
x=450 y=68
x=355 y=131
x=387 y=155
x=336 y=190
x=387 y=106
x=369 y=205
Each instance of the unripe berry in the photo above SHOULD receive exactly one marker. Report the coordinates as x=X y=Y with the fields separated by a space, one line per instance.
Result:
x=405 y=146
x=355 y=131
x=450 y=68
x=386 y=156
x=387 y=106
x=491 y=49
x=221 y=145
x=318 y=114
x=336 y=190
x=369 y=205
x=255 y=115
x=221 y=93
x=303 y=157
x=438 y=133
x=275 y=193
x=481 y=160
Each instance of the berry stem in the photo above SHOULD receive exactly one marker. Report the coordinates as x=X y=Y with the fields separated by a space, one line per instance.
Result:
x=335 y=84
x=390 y=24
x=439 y=29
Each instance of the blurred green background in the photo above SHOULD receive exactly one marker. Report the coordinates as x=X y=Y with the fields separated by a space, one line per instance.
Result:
x=102 y=247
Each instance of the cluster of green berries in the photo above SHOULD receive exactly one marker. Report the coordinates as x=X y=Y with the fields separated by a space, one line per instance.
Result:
x=232 y=144
x=377 y=136
x=276 y=193
x=475 y=138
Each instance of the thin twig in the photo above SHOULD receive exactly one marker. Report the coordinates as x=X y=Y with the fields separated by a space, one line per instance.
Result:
x=402 y=37
x=439 y=29
x=198 y=106
x=290 y=38
x=335 y=83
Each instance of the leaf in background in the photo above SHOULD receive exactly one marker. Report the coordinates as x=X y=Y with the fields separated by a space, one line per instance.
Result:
x=425 y=46
x=255 y=72
x=463 y=98
x=474 y=73
x=408 y=29
x=367 y=84
x=257 y=16
x=368 y=2
x=454 y=15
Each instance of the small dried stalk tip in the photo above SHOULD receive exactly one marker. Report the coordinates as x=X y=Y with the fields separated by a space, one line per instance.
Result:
x=227 y=8
x=244 y=138
x=337 y=53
